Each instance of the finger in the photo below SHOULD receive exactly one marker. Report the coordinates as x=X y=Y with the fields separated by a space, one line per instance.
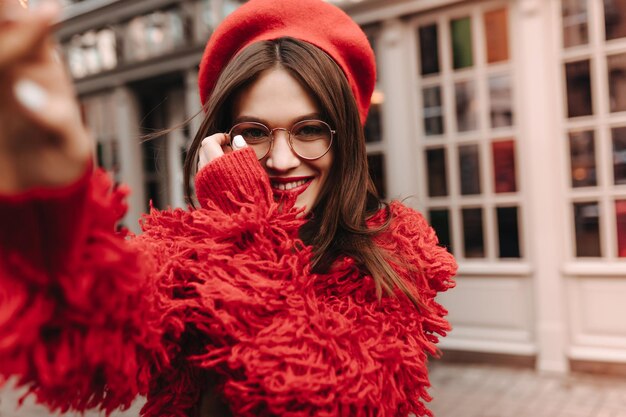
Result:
x=212 y=148
x=26 y=34
x=238 y=142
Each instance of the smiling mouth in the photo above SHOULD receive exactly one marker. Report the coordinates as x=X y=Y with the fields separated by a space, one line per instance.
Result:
x=298 y=186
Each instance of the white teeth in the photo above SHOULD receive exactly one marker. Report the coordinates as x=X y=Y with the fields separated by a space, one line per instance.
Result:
x=289 y=185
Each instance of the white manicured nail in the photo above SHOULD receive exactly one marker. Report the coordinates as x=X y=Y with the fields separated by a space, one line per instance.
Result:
x=239 y=142
x=30 y=95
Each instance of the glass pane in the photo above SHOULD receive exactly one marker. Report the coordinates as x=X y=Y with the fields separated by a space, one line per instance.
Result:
x=583 y=158
x=615 y=19
x=504 y=171
x=508 y=232
x=462 y=43
x=373 y=124
x=617 y=82
x=433 y=111
x=501 y=101
x=497 y=32
x=473 y=244
x=578 y=89
x=619 y=155
x=620 y=217
x=429 y=49
x=440 y=221
x=437 y=177
x=587 y=226
x=470 y=169
x=575 y=22
x=376 y=163
x=466 y=104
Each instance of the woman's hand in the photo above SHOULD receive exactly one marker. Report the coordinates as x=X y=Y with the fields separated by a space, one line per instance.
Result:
x=43 y=142
x=217 y=145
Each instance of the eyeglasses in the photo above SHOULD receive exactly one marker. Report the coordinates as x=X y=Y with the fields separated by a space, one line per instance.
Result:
x=309 y=139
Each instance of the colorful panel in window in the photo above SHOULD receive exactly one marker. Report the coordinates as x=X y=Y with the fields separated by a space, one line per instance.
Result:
x=504 y=170
x=620 y=218
x=497 y=34
x=462 y=50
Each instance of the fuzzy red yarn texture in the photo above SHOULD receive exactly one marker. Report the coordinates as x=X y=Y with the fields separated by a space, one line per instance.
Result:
x=223 y=293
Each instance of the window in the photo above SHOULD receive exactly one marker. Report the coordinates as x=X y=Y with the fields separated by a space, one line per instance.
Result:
x=468 y=134
x=374 y=129
x=594 y=71
x=99 y=117
x=154 y=34
x=92 y=52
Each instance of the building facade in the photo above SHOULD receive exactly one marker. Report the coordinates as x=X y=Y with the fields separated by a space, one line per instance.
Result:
x=503 y=121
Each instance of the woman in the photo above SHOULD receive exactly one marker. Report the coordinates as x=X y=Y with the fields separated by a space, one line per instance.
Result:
x=290 y=290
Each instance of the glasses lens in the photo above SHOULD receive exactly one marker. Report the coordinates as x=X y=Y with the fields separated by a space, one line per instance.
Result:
x=311 y=138
x=256 y=135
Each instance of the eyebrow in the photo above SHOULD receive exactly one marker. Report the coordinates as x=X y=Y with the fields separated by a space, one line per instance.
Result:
x=244 y=118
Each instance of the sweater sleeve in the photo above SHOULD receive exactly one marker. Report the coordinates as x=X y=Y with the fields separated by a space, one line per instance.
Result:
x=234 y=178
x=79 y=326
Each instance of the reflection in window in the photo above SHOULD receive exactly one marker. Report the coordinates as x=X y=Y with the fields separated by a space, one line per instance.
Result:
x=582 y=158
x=437 y=177
x=615 y=19
x=501 y=101
x=619 y=155
x=578 y=80
x=508 y=232
x=433 y=111
x=497 y=33
x=473 y=242
x=620 y=217
x=229 y=6
x=462 y=52
x=429 y=49
x=376 y=164
x=466 y=118
x=154 y=34
x=587 y=227
x=373 y=124
x=92 y=52
x=469 y=169
x=575 y=22
x=617 y=82
x=440 y=221
x=504 y=166
x=206 y=19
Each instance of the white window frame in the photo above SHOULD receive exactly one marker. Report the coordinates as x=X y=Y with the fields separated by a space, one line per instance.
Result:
x=605 y=193
x=480 y=72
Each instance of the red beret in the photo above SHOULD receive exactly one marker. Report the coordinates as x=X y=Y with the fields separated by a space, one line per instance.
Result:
x=313 y=21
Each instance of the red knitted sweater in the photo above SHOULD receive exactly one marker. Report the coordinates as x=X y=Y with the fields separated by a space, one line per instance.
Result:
x=92 y=318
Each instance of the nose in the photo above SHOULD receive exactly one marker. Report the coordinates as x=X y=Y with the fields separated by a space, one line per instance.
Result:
x=282 y=157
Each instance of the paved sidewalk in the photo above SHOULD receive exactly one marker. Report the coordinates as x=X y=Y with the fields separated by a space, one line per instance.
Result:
x=490 y=391
x=475 y=391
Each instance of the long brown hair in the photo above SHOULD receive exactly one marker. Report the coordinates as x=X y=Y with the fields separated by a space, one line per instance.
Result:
x=337 y=225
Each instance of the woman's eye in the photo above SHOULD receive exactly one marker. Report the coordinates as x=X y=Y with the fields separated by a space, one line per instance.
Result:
x=254 y=134
x=309 y=131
